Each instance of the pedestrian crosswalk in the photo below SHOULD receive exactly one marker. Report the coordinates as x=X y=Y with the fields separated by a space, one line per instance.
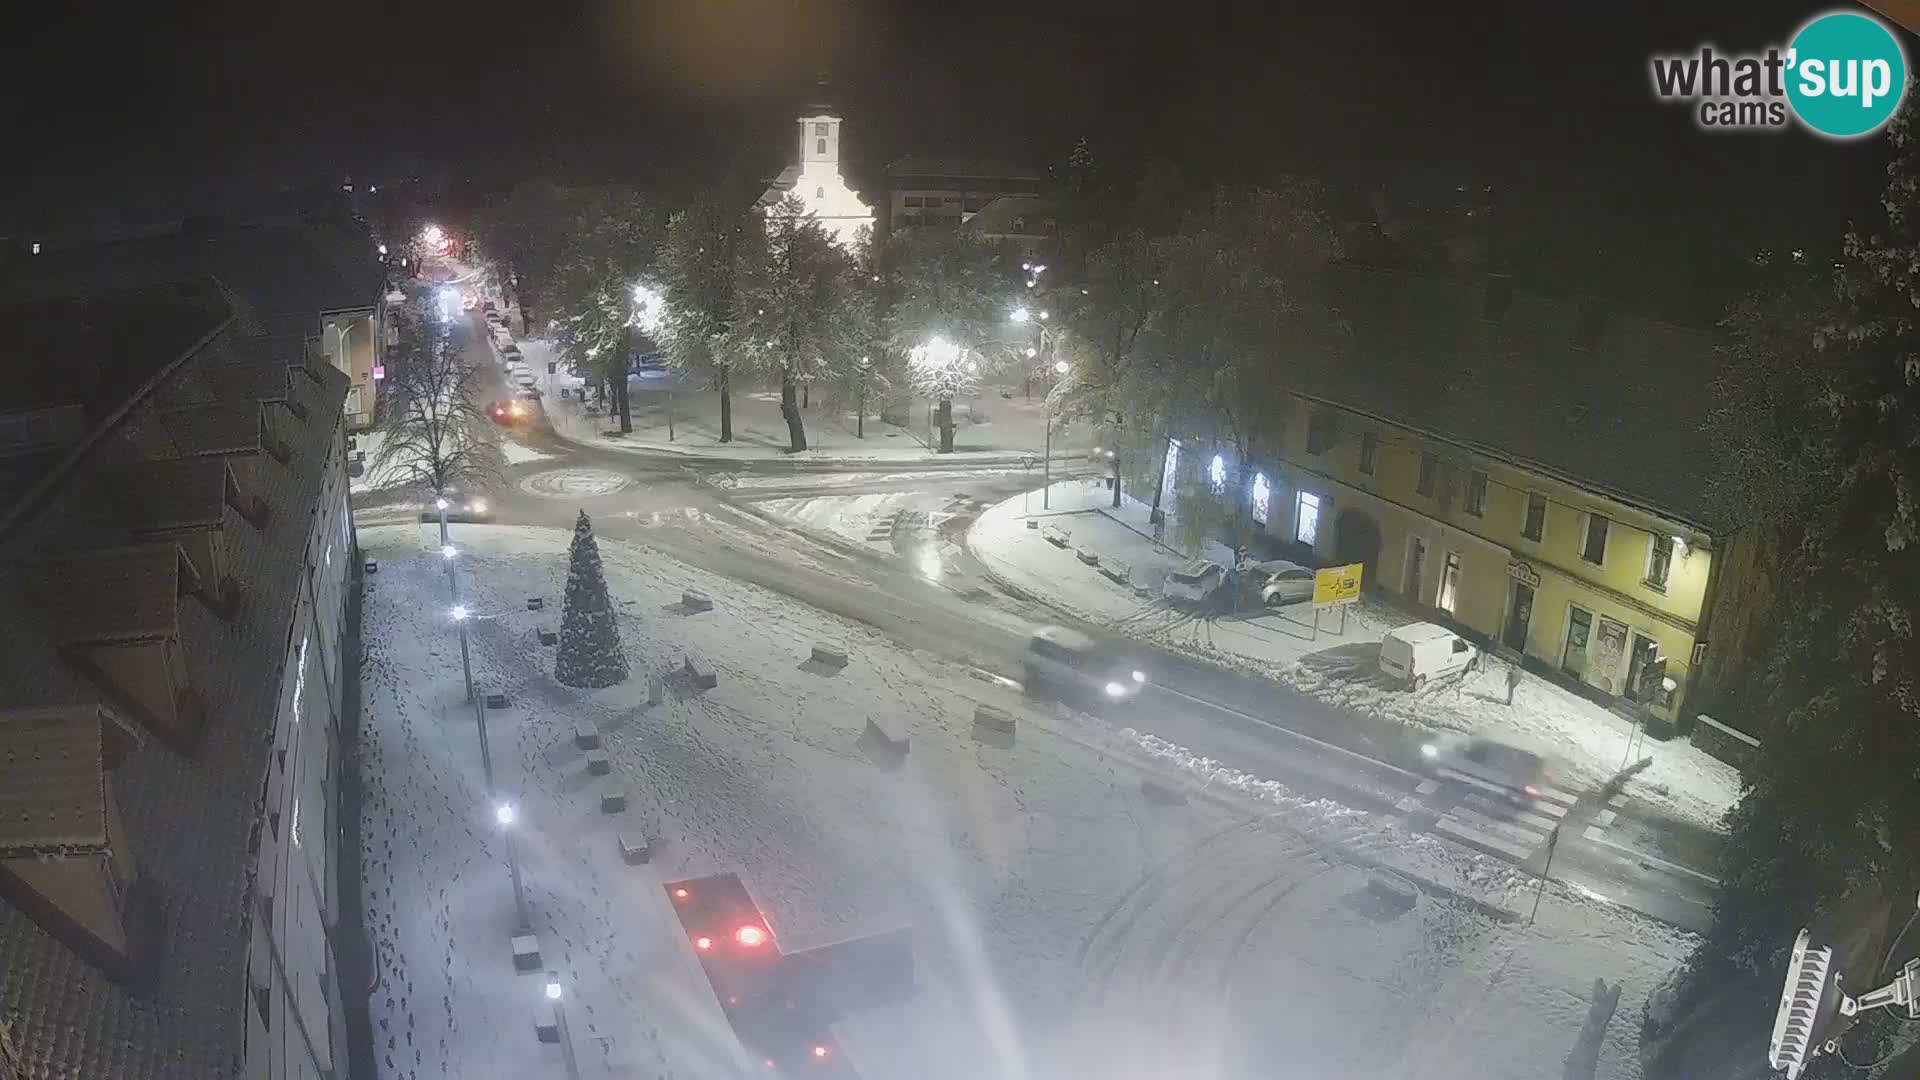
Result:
x=1484 y=818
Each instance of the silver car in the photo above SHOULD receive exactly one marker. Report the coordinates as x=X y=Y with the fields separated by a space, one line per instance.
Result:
x=1507 y=771
x=1283 y=582
x=1071 y=664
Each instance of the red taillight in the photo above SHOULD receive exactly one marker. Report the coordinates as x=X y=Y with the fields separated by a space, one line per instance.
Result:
x=1531 y=790
x=703 y=943
x=679 y=894
x=819 y=1051
x=750 y=936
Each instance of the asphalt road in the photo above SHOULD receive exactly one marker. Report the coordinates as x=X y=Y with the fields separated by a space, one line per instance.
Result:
x=1608 y=846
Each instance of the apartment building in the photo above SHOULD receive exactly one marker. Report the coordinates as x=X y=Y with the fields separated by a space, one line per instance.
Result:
x=177 y=552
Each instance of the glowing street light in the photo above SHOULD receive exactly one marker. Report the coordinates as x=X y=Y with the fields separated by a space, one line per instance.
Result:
x=505 y=814
x=560 y=1021
x=459 y=613
x=1059 y=367
x=448 y=551
x=1021 y=314
x=434 y=236
x=1046 y=411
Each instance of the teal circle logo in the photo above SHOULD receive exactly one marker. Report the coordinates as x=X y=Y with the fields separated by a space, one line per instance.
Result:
x=1846 y=74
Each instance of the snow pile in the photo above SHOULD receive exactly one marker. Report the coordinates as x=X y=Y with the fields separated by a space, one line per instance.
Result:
x=1064 y=925
x=519 y=455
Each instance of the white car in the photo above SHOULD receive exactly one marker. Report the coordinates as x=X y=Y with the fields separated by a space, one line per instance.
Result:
x=1285 y=583
x=1194 y=582
x=1073 y=665
x=1418 y=653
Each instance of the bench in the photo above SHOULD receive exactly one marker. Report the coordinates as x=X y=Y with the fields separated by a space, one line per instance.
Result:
x=1117 y=572
x=635 y=849
x=1086 y=556
x=585 y=735
x=698 y=673
x=1056 y=536
x=828 y=655
x=695 y=600
x=598 y=764
x=889 y=735
x=613 y=801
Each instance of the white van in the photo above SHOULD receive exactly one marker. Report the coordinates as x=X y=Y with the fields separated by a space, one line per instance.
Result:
x=1420 y=652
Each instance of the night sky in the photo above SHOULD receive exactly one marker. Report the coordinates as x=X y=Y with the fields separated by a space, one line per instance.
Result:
x=1545 y=99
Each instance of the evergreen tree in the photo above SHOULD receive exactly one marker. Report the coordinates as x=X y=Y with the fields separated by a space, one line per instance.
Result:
x=590 y=654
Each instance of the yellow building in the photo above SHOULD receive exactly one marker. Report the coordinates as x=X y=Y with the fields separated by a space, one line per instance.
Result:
x=1529 y=470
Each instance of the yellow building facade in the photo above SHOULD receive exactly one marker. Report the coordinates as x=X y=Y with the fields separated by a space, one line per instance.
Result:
x=1605 y=592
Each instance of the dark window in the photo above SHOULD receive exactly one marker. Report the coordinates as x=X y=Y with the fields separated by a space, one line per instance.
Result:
x=1368 y=447
x=1320 y=432
x=1429 y=469
x=819 y=146
x=1536 y=522
x=1595 y=549
x=915 y=200
x=819 y=129
x=820 y=192
x=1476 y=493
x=1019 y=224
x=1659 y=560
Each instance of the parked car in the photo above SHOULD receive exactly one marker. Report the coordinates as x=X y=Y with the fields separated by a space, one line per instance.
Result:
x=1508 y=771
x=1194 y=582
x=487 y=306
x=525 y=378
x=1073 y=665
x=1282 y=582
x=1418 y=653
x=511 y=354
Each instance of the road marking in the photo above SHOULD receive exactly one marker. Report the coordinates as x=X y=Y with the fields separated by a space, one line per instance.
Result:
x=1427 y=787
x=1618 y=800
x=1514 y=831
x=1605 y=817
x=1646 y=858
x=1556 y=795
x=1407 y=804
x=1467 y=833
x=1289 y=732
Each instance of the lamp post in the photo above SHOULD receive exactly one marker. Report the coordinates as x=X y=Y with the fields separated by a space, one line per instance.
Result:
x=504 y=814
x=447 y=552
x=560 y=1021
x=1046 y=462
x=460 y=616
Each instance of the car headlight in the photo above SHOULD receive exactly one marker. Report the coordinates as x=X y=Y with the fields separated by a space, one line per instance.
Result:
x=478 y=506
x=1139 y=676
x=1428 y=750
x=1115 y=690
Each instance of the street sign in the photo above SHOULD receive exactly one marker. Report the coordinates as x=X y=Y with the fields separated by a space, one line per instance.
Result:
x=1337 y=585
x=379 y=372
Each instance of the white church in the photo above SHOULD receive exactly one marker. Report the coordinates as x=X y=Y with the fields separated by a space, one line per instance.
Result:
x=816 y=180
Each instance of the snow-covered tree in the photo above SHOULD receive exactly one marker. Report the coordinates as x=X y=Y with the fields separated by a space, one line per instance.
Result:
x=943 y=370
x=1833 y=465
x=794 y=307
x=611 y=245
x=590 y=654
x=697 y=268
x=950 y=317
x=434 y=431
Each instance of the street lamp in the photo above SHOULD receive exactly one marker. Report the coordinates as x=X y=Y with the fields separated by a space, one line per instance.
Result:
x=1046 y=411
x=447 y=551
x=1021 y=314
x=560 y=1022
x=460 y=616
x=504 y=814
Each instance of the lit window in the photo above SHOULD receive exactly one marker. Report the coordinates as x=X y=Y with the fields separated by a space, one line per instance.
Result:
x=1369 y=446
x=1595 y=549
x=1659 y=560
x=1306 y=518
x=1217 y=474
x=1429 y=470
x=1449 y=583
x=1261 y=493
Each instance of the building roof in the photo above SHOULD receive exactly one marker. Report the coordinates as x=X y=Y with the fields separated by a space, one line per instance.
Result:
x=275 y=269
x=189 y=820
x=1622 y=413
x=998 y=217
x=53 y=780
x=778 y=187
x=107 y=594
x=912 y=167
x=155 y=496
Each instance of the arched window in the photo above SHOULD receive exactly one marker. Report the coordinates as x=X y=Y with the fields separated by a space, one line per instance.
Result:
x=1261 y=493
x=1217 y=474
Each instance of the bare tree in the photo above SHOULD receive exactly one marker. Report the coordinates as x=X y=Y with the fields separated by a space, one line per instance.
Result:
x=435 y=434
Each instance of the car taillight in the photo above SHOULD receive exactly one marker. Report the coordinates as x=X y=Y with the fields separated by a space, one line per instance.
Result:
x=750 y=936
x=680 y=893
x=1531 y=790
x=703 y=943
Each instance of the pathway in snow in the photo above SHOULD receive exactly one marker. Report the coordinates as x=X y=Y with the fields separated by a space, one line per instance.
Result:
x=1061 y=918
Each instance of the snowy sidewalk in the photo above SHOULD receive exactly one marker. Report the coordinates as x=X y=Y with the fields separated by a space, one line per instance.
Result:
x=1589 y=742
x=1064 y=922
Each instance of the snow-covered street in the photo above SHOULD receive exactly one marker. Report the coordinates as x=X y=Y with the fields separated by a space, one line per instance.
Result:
x=1064 y=922
x=1340 y=667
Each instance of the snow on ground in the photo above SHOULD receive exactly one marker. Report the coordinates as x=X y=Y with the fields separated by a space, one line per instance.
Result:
x=1064 y=925
x=1589 y=741
x=575 y=483
x=829 y=481
x=518 y=454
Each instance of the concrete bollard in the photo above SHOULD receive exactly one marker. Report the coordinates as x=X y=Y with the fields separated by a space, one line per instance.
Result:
x=526 y=953
x=598 y=764
x=889 y=735
x=586 y=736
x=496 y=701
x=546 y=1022
x=548 y=637
x=993 y=719
x=613 y=801
x=700 y=677
x=535 y=603
x=635 y=849
x=1088 y=557
x=828 y=655
x=695 y=600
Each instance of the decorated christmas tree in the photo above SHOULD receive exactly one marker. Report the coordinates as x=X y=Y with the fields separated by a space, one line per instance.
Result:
x=590 y=653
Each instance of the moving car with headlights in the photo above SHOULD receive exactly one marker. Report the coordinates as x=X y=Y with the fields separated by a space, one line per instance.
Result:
x=1418 y=653
x=1517 y=775
x=1282 y=582
x=462 y=507
x=511 y=412
x=1194 y=582
x=1072 y=665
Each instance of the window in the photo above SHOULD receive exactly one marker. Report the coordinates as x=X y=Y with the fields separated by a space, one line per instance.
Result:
x=1217 y=474
x=1659 y=560
x=1261 y=494
x=1019 y=224
x=1449 y=583
x=1535 y=524
x=820 y=129
x=1476 y=493
x=820 y=192
x=1595 y=549
x=1306 y=518
x=915 y=200
x=1429 y=468
x=1320 y=432
x=820 y=146
x=1368 y=447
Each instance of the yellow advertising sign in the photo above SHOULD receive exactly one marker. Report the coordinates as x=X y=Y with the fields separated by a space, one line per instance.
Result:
x=1337 y=585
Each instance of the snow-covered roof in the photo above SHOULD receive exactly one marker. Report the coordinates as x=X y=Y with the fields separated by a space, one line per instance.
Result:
x=189 y=820
x=778 y=187
x=1610 y=401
